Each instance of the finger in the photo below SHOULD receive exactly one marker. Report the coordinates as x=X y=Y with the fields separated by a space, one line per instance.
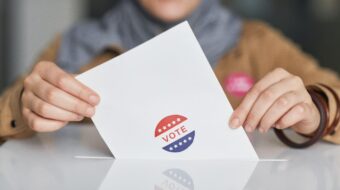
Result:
x=241 y=112
x=48 y=111
x=293 y=116
x=279 y=108
x=68 y=83
x=39 y=124
x=267 y=99
x=61 y=99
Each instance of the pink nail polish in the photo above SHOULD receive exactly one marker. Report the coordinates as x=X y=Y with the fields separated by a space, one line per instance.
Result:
x=94 y=99
x=235 y=122
x=261 y=130
x=90 y=112
x=248 y=128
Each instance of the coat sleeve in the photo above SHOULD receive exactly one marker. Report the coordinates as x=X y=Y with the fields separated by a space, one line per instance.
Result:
x=12 y=124
x=270 y=49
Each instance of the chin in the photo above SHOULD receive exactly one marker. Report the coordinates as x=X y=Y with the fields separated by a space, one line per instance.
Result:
x=170 y=10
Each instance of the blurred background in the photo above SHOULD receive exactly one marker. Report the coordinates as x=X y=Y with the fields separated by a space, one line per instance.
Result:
x=27 y=26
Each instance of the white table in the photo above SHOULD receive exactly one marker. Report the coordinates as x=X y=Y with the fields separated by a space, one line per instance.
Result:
x=47 y=161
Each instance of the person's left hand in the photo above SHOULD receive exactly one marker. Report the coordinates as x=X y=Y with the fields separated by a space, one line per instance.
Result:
x=278 y=100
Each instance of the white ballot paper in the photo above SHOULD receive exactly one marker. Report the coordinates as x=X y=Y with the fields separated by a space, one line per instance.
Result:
x=162 y=100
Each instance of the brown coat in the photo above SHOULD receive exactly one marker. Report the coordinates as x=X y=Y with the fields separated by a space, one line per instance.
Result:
x=259 y=50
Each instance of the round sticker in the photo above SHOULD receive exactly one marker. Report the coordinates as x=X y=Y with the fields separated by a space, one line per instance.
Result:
x=238 y=84
x=174 y=134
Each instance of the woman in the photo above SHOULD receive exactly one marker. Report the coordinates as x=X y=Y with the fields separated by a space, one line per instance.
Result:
x=263 y=74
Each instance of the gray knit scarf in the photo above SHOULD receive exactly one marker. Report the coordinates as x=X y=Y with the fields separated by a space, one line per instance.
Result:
x=128 y=25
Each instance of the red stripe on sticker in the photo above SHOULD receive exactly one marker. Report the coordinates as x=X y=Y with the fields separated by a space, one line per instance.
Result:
x=168 y=123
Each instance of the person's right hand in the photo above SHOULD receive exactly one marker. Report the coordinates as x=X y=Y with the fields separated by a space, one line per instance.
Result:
x=52 y=98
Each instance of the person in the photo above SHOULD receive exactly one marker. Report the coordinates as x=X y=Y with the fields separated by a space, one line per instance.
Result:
x=269 y=81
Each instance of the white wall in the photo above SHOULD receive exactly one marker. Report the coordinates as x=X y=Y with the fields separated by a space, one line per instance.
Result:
x=34 y=25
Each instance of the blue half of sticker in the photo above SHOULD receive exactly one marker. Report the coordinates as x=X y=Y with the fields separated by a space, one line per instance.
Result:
x=181 y=144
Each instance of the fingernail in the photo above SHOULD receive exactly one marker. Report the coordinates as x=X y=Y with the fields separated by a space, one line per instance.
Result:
x=248 y=128
x=261 y=130
x=90 y=112
x=79 y=118
x=94 y=99
x=235 y=122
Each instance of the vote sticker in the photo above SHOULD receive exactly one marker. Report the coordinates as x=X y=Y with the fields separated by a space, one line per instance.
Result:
x=174 y=134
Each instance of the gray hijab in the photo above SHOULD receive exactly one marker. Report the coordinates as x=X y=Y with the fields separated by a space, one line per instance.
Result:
x=128 y=25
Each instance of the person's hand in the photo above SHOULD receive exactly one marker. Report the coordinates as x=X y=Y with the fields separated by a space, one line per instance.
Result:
x=52 y=98
x=278 y=100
